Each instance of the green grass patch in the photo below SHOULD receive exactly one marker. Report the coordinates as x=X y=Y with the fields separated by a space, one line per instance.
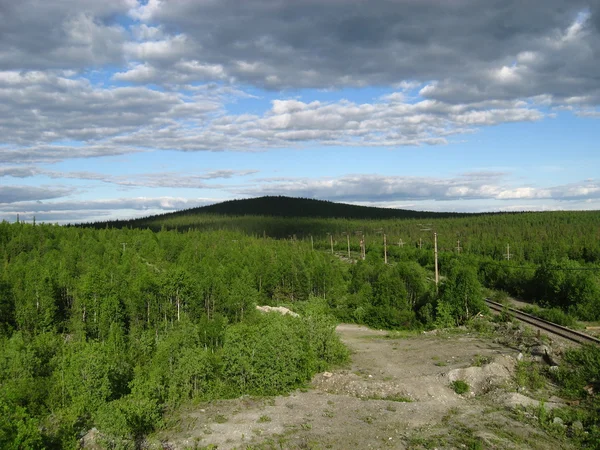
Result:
x=460 y=387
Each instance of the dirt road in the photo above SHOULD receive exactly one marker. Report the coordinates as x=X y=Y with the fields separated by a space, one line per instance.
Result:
x=396 y=393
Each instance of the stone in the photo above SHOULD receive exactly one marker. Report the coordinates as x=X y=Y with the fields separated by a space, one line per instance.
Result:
x=540 y=350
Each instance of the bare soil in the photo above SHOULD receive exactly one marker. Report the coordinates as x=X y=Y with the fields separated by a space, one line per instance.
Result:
x=396 y=393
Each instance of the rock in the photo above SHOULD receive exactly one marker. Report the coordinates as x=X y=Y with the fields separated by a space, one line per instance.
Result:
x=520 y=357
x=553 y=368
x=540 y=350
x=280 y=309
x=558 y=421
x=327 y=374
x=577 y=427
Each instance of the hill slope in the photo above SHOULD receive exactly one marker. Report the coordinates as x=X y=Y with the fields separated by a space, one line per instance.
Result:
x=281 y=206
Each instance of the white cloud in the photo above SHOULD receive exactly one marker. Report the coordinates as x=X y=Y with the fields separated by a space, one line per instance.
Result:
x=379 y=188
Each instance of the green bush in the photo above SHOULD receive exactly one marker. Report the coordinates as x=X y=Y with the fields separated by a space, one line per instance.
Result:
x=554 y=315
x=460 y=387
x=17 y=429
x=128 y=419
x=275 y=353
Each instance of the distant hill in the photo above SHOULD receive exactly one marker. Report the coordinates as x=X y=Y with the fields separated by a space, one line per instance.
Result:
x=281 y=206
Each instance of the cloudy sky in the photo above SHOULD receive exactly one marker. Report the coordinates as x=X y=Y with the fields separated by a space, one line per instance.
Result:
x=122 y=108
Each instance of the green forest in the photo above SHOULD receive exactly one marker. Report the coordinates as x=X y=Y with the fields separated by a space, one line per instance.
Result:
x=112 y=325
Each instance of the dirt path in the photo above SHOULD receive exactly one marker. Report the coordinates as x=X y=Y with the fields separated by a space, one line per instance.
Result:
x=395 y=394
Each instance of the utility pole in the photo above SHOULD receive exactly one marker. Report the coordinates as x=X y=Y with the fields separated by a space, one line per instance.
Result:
x=507 y=252
x=348 y=239
x=362 y=247
x=331 y=241
x=458 y=246
x=312 y=245
x=435 y=252
x=124 y=244
x=400 y=243
x=384 y=249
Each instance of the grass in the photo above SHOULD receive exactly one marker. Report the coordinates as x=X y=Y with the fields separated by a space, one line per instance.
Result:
x=390 y=397
x=528 y=375
x=264 y=419
x=460 y=387
x=220 y=418
x=480 y=360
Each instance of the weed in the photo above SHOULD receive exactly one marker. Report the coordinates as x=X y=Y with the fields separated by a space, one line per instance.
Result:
x=367 y=419
x=220 y=418
x=481 y=360
x=390 y=397
x=527 y=374
x=441 y=364
x=391 y=408
x=460 y=387
x=328 y=413
x=264 y=419
x=306 y=426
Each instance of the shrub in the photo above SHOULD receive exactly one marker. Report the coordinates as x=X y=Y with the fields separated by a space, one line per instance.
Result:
x=274 y=353
x=460 y=387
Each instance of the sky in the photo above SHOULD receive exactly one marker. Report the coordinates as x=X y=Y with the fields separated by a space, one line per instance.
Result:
x=125 y=108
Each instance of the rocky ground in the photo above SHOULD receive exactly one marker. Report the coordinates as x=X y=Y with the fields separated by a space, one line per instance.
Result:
x=396 y=393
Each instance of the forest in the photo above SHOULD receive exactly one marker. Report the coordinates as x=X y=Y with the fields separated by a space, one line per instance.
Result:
x=113 y=325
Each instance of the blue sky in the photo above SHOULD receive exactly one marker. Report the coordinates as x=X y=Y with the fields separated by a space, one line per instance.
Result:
x=124 y=108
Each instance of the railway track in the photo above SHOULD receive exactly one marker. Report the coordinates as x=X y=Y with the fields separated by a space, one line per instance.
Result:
x=564 y=332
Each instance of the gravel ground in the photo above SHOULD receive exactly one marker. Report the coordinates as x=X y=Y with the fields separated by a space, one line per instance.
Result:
x=395 y=393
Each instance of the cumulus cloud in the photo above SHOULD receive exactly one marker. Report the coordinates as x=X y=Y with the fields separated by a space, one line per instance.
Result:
x=471 y=49
x=102 y=209
x=70 y=34
x=380 y=188
x=151 y=180
x=12 y=195
x=390 y=123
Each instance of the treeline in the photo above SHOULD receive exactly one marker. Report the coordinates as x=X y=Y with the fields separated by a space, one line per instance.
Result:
x=532 y=236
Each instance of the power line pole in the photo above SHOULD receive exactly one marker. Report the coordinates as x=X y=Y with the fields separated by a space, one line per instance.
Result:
x=458 y=246
x=331 y=241
x=384 y=249
x=435 y=252
x=507 y=252
x=362 y=247
x=348 y=239
x=312 y=244
x=400 y=243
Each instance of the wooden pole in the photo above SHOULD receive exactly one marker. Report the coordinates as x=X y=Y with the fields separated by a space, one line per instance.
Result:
x=508 y=252
x=312 y=245
x=384 y=249
x=348 y=239
x=331 y=241
x=458 y=246
x=435 y=252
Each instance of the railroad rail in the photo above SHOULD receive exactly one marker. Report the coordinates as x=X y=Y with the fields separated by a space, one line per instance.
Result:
x=564 y=332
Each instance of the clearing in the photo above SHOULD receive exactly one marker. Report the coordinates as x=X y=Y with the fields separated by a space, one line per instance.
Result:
x=395 y=393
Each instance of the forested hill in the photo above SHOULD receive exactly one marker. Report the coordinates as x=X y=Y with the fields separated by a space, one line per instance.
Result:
x=279 y=206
